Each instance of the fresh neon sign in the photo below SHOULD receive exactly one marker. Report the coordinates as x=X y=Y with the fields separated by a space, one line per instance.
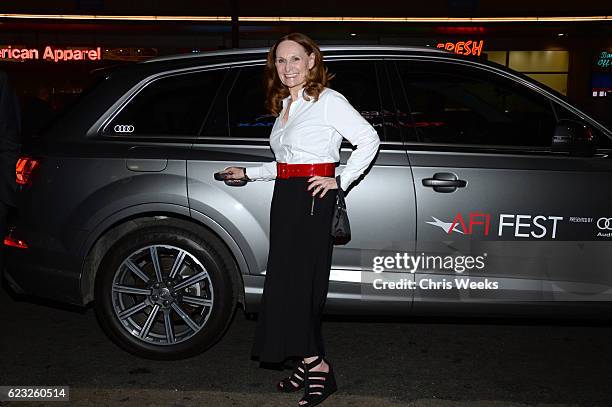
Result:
x=463 y=47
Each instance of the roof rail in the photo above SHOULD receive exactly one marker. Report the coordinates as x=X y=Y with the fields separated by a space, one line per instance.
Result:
x=324 y=48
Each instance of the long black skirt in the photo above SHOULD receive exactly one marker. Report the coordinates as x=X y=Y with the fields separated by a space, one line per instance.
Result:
x=297 y=273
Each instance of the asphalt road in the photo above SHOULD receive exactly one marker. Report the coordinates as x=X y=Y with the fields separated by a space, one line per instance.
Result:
x=395 y=362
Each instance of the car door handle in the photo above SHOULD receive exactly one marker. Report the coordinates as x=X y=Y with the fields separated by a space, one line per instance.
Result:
x=444 y=182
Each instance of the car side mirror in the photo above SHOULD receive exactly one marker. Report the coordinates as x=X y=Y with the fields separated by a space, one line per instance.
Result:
x=573 y=137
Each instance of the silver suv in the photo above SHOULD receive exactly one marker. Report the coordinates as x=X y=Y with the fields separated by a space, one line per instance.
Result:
x=118 y=205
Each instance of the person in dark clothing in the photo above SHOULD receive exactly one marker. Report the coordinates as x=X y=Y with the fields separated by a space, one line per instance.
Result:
x=10 y=145
x=37 y=113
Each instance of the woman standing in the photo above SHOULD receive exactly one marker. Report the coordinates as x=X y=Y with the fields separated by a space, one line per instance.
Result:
x=311 y=121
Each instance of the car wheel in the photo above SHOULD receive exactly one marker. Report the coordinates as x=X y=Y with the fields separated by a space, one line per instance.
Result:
x=165 y=292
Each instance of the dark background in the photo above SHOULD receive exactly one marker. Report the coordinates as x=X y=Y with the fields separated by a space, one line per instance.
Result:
x=124 y=41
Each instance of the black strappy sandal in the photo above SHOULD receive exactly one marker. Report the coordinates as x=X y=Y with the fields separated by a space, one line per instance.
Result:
x=288 y=384
x=318 y=385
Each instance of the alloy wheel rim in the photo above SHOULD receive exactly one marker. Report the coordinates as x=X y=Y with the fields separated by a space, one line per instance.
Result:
x=162 y=294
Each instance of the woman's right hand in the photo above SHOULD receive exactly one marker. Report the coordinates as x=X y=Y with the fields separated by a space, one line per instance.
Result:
x=233 y=173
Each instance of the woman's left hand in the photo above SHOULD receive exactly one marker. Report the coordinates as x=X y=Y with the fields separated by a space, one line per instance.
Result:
x=321 y=184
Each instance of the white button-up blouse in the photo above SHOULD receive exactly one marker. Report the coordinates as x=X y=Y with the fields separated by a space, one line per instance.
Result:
x=313 y=134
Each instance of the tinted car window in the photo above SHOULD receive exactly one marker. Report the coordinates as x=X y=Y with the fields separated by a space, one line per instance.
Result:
x=172 y=106
x=451 y=103
x=601 y=140
x=358 y=82
x=247 y=116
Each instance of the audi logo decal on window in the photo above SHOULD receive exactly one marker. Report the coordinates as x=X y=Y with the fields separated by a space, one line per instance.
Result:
x=604 y=223
x=123 y=128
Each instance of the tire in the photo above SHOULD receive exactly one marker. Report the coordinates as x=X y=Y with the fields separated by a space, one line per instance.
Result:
x=174 y=319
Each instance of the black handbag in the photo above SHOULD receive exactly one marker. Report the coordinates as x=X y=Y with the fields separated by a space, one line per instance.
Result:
x=340 y=228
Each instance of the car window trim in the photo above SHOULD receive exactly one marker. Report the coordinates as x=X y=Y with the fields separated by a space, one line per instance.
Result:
x=496 y=149
x=265 y=140
x=396 y=147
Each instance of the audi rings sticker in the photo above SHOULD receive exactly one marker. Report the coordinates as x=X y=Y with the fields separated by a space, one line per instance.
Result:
x=604 y=223
x=123 y=128
x=605 y=227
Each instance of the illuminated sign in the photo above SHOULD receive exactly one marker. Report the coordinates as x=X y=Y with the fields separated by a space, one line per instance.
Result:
x=604 y=60
x=463 y=47
x=50 y=54
x=129 y=54
x=460 y=30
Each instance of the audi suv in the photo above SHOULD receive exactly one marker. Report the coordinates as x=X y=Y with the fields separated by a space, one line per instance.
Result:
x=478 y=166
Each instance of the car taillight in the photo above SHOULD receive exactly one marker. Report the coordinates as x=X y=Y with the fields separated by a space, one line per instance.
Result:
x=24 y=169
x=11 y=241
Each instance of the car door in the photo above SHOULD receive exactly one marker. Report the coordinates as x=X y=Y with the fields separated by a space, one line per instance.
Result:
x=381 y=204
x=501 y=218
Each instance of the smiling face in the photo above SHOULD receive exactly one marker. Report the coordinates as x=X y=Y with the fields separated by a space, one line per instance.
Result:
x=292 y=64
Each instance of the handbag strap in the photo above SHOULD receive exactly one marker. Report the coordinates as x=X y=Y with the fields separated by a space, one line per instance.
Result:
x=340 y=194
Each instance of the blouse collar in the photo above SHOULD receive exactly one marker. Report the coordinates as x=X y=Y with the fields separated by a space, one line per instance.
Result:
x=300 y=96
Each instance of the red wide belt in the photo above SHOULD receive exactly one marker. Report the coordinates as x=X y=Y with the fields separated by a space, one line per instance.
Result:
x=284 y=170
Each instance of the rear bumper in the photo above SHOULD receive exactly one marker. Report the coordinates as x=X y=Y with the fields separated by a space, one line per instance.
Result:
x=12 y=283
x=27 y=274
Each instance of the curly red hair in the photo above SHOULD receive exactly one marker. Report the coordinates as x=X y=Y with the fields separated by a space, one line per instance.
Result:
x=316 y=79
